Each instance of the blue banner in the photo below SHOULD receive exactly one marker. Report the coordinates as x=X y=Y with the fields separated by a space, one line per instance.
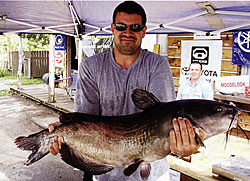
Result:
x=241 y=48
x=60 y=42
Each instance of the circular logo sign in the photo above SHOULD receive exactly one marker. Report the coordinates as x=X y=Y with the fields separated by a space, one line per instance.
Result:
x=244 y=41
x=59 y=39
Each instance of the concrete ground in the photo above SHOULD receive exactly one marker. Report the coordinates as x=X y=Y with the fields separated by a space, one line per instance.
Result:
x=21 y=117
x=4 y=84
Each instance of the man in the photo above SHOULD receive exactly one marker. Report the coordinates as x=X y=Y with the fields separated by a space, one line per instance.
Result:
x=106 y=81
x=195 y=87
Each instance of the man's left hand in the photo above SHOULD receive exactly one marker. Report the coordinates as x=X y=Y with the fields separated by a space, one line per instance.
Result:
x=182 y=138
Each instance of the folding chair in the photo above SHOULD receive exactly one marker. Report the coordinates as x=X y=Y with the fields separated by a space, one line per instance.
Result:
x=72 y=87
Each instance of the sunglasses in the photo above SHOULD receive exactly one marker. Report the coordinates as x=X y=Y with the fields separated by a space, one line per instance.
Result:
x=123 y=27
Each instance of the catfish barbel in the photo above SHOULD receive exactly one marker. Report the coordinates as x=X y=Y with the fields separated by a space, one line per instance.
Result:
x=98 y=144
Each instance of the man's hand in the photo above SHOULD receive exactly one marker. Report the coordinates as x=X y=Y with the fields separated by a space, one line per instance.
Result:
x=57 y=143
x=182 y=138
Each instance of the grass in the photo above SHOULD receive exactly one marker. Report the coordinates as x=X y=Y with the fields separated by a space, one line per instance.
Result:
x=27 y=81
x=4 y=92
x=5 y=75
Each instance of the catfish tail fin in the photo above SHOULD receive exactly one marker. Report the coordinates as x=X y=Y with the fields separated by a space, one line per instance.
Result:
x=32 y=143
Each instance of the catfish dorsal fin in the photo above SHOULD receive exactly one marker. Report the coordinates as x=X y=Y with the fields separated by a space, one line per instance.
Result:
x=144 y=99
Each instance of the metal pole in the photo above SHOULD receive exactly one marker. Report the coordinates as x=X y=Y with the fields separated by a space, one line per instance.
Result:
x=21 y=56
x=79 y=52
x=52 y=69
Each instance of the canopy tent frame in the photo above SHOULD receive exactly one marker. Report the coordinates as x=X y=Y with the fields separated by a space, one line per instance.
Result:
x=79 y=24
x=36 y=27
x=74 y=17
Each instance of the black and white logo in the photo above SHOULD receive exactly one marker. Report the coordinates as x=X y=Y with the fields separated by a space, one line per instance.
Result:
x=200 y=54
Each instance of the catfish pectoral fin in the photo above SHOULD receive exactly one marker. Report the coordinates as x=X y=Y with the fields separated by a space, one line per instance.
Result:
x=76 y=160
x=132 y=168
x=145 y=169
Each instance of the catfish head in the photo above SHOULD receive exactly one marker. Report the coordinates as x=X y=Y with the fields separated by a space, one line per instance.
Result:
x=211 y=116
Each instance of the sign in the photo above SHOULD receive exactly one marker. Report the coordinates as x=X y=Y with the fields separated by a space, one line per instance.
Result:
x=241 y=48
x=230 y=84
x=174 y=175
x=59 y=58
x=206 y=36
x=208 y=53
x=60 y=42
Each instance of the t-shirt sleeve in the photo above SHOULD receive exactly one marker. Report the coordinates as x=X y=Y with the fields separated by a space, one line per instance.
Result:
x=87 y=95
x=161 y=81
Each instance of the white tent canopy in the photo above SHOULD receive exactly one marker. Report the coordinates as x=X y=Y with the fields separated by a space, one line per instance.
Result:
x=78 y=17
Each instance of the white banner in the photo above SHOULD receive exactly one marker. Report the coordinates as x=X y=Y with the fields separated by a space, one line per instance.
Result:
x=208 y=53
x=59 y=58
x=230 y=84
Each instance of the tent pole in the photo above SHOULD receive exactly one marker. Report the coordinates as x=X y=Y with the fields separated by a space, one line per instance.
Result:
x=61 y=32
x=231 y=28
x=172 y=27
x=73 y=17
x=51 y=69
x=21 y=56
x=74 y=12
x=22 y=23
x=185 y=18
x=236 y=13
x=35 y=29
x=79 y=52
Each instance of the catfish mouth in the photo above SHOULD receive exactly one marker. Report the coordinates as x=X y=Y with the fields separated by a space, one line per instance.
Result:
x=234 y=118
x=234 y=121
x=234 y=124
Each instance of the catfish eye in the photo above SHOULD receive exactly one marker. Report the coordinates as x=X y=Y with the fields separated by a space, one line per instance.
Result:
x=219 y=109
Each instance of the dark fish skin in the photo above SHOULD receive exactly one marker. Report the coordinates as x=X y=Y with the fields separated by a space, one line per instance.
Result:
x=97 y=144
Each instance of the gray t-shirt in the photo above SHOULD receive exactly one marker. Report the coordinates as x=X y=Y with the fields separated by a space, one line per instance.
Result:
x=105 y=88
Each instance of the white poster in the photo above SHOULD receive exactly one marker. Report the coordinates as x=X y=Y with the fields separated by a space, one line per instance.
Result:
x=208 y=53
x=59 y=58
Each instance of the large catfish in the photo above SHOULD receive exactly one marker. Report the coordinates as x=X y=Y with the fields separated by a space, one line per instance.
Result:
x=98 y=144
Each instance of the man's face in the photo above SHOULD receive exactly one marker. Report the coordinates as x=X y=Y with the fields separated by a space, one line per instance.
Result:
x=128 y=42
x=195 y=71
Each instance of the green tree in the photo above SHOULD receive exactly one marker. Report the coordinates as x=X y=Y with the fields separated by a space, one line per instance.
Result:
x=31 y=42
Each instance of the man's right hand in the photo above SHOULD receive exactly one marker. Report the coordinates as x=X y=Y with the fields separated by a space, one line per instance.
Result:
x=57 y=143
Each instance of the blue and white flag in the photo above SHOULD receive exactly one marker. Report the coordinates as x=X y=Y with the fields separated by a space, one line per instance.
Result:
x=241 y=48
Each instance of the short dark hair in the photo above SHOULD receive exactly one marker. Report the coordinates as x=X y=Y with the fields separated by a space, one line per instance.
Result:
x=130 y=7
x=195 y=63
